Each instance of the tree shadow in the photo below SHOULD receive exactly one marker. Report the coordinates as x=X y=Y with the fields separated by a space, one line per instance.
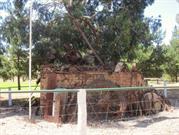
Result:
x=20 y=107
x=147 y=122
x=12 y=111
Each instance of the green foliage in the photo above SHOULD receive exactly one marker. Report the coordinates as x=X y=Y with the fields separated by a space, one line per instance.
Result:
x=14 y=35
x=151 y=60
x=7 y=71
x=122 y=27
x=116 y=29
x=172 y=67
x=114 y=32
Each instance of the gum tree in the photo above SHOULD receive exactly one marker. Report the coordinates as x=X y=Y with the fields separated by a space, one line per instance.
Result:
x=14 y=33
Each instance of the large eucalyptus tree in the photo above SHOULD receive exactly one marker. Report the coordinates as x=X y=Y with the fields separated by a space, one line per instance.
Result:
x=111 y=29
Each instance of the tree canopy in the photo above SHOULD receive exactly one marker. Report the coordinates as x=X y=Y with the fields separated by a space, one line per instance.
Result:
x=111 y=29
x=172 y=67
x=14 y=36
x=83 y=32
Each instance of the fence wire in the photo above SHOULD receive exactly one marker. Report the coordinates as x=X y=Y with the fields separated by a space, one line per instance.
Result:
x=14 y=119
x=108 y=112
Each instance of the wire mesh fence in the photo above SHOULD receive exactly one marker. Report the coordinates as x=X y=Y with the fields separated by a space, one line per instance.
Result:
x=14 y=119
x=108 y=112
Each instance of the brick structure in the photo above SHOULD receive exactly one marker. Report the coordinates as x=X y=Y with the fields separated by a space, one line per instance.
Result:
x=52 y=78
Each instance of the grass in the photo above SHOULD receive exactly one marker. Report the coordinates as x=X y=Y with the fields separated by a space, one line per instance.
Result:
x=13 y=85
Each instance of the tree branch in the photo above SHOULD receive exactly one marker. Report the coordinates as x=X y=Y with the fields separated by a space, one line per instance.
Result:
x=77 y=25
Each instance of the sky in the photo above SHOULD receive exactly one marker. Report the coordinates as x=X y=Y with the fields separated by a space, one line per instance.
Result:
x=168 y=10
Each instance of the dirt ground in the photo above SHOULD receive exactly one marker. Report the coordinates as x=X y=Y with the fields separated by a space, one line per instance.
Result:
x=165 y=123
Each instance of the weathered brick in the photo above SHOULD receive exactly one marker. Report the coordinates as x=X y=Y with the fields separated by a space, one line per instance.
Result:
x=51 y=80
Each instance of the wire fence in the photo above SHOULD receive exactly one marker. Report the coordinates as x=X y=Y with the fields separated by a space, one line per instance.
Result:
x=24 y=87
x=124 y=110
x=15 y=120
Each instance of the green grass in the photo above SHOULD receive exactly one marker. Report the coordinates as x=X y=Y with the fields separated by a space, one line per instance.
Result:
x=13 y=85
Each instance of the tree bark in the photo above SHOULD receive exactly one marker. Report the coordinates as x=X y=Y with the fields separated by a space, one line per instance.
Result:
x=176 y=77
x=18 y=73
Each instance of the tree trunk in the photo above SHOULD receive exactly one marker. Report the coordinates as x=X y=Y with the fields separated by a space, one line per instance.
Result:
x=18 y=73
x=176 y=77
x=18 y=82
x=77 y=25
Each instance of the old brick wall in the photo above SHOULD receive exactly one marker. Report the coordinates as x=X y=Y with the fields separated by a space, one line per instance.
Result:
x=51 y=79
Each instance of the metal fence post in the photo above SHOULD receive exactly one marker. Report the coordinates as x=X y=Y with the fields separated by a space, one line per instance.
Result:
x=82 y=112
x=9 y=98
x=165 y=88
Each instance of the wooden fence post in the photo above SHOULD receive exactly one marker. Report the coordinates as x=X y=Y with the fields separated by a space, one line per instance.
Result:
x=0 y=97
x=9 y=98
x=165 y=89
x=82 y=112
x=56 y=105
x=53 y=105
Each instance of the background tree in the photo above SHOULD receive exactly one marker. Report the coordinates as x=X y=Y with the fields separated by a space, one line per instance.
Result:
x=14 y=31
x=68 y=32
x=7 y=70
x=3 y=6
x=150 y=61
x=172 y=67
